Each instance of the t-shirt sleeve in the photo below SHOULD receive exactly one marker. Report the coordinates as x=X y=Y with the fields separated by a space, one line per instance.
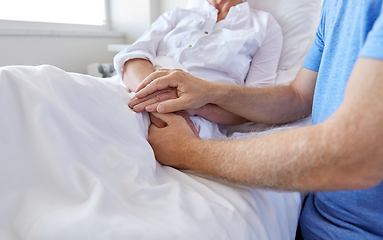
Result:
x=373 y=47
x=314 y=56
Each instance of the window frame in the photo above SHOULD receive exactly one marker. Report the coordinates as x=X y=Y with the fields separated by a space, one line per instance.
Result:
x=30 y=28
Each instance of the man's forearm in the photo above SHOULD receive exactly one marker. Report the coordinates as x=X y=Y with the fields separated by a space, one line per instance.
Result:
x=260 y=162
x=271 y=105
x=262 y=105
x=302 y=160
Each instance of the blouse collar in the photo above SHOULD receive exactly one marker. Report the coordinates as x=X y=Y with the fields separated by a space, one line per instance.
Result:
x=235 y=13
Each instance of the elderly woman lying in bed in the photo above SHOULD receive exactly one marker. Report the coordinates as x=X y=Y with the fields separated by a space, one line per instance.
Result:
x=224 y=40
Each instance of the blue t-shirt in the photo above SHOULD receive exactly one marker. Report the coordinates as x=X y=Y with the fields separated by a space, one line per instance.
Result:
x=348 y=29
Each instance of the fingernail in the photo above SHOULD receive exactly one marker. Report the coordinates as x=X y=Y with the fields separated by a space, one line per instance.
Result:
x=149 y=109
x=160 y=108
x=137 y=108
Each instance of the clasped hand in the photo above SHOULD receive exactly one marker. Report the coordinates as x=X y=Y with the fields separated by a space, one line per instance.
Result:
x=167 y=91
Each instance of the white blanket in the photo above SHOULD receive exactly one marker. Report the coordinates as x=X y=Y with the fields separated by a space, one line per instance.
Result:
x=75 y=164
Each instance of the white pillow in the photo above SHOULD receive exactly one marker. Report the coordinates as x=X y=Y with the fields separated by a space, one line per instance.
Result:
x=299 y=20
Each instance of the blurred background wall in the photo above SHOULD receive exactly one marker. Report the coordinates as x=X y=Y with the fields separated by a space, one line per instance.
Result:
x=73 y=51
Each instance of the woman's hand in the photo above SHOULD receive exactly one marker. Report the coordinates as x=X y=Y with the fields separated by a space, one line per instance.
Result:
x=161 y=124
x=151 y=101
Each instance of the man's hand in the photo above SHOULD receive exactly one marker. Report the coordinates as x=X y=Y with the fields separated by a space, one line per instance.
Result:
x=169 y=142
x=191 y=92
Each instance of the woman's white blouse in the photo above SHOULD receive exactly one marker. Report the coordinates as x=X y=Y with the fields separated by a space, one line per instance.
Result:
x=247 y=42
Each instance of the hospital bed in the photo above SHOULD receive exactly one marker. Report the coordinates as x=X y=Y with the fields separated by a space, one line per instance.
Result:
x=75 y=162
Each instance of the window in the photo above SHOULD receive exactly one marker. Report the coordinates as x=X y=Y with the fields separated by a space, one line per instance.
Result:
x=54 y=17
x=89 y=12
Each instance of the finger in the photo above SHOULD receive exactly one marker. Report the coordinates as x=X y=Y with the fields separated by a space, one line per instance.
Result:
x=172 y=105
x=152 y=108
x=182 y=113
x=150 y=105
x=167 y=118
x=186 y=116
x=169 y=91
x=139 y=104
x=134 y=101
x=156 y=121
x=158 y=84
x=153 y=76
x=171 y=118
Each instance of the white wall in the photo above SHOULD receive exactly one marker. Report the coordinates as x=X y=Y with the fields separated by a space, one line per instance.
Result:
x=133 y=17
x=69 y=53
x=74 y=53
x=167 y=5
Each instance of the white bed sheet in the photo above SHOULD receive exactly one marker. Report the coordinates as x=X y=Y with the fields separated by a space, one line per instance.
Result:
x=75 y=164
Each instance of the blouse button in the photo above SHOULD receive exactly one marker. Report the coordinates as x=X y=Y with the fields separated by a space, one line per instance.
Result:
x=190 y=46
x=206 y=32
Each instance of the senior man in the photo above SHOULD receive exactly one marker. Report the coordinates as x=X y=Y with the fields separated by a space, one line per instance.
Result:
x=339 y=159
